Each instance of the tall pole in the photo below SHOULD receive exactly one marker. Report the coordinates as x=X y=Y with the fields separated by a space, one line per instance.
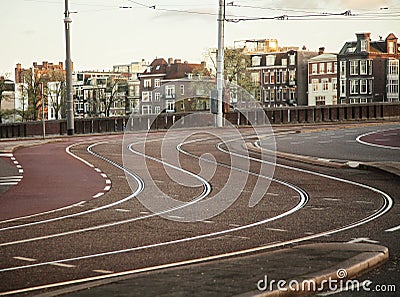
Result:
x=68 y=71
x=220 y=61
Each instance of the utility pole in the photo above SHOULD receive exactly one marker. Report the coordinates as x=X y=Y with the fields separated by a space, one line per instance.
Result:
x=220 y=62
x=68 y=68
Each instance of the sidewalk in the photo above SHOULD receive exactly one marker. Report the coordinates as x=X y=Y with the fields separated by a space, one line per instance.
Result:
x=247 y=275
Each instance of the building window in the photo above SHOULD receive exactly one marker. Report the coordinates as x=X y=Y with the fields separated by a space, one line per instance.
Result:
x=157 y=83
x=284 y=77
x=320 y=100
x=157 y=109
x=363 y=67
x=292 y=77
x=266 y=77
x=370 y=86
x=270 y=60
x=157 y=96
x=334 y=84
x=314 y=68
x=369 y=67
x=363 y=86
x=278 y=77
x=255 y=78
x=256 y=61
x=354 y=67
x=146 y=109
x=342 y=88
x=284 y=62
x=354 y=101
x=321 y=67
x=342 y=68
x=146 y=96
x=335 y=67
x=329 y=67
x=292 y=59
x=391 y=47
x=364 y=45
x=353 y=86
x=325 y=84
x=314 y=83
x=170 y=106
x=272 y=78
x=393 y=67
x=170 y=92
x=147 y=83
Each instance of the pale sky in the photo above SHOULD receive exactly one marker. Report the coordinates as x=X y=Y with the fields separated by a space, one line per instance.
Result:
x=103 y=34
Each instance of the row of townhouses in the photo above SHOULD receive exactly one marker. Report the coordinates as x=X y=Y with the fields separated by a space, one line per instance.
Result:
x=363 y=71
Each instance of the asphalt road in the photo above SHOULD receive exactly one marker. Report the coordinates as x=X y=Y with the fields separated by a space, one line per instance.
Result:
x=199 y=201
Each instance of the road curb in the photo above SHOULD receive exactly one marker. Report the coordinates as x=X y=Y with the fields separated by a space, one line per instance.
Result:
x=370 y=257
x=387 y=167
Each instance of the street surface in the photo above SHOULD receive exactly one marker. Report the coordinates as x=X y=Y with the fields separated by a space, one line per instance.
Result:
x=80 y=212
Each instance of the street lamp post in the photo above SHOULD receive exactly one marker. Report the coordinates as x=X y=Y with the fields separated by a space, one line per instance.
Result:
x=220 y=61
x=68 y=73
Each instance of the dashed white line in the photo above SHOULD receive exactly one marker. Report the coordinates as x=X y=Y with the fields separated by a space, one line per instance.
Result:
x=25 y=259
x=107 y=188
x=108 y=182
x=103 y=271
x=393 y=229
x=104 y=175
x=62 y=265
x=277 y=229
x=122 y=210
x=98 y=195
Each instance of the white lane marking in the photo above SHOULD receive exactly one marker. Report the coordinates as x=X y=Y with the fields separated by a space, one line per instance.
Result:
x=276 y=229
x=236 y=225
x=331 y=199
x=363 y=202
x=175 y=217
x=131 y=174
x=12 y=158
x=362 y=239
x=272 y=194
x=103 y=271
x=97 y=170
x=44 y=213
x=62 y=265
x=68 y=150
x=108 y=182
x=122 y=210
x=393 y=229
x=25 y=259
x=18 y=166
x=208 y=222
x=11 y=177
x=107 y=188
x=98 y=195
x=144 y=212
x=8 y=183
x=387 y=205
x=358 y=139
x=7 y=155
x=104 y=175
x=21 y=171
x=15 y=162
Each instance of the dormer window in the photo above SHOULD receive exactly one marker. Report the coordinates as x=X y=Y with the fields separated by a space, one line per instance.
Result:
x=364 y=45
x=391 y=47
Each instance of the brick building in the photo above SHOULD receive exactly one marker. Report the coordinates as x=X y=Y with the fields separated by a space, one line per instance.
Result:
x=368 y=71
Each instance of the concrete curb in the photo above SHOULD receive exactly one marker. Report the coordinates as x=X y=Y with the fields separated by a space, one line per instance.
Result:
x=370 y=257
x=388 y=167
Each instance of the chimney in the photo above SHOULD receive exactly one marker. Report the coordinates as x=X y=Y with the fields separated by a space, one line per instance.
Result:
x=45 y=64
x=177 y=61
x=321 y=50
x=170 y=60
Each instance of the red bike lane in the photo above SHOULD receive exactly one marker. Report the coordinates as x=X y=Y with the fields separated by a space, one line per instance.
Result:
x=51 y=179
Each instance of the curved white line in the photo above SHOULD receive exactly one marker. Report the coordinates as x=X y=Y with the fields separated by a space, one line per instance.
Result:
x=388 y=203
x=133 y=175
x=358 y=139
